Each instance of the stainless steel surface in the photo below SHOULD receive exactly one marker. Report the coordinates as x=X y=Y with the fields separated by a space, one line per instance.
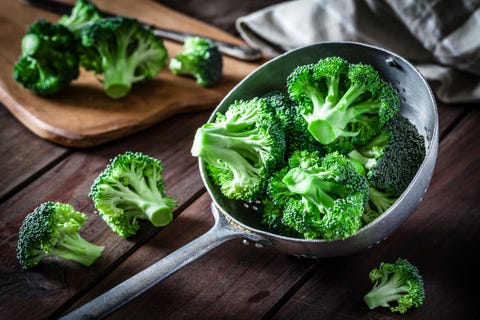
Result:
x=238 y=220
x=230 y=49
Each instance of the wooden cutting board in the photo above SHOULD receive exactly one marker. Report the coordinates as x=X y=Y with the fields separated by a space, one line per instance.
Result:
x=83 y=115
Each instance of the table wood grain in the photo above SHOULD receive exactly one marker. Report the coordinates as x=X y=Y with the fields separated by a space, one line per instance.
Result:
x=233 y=281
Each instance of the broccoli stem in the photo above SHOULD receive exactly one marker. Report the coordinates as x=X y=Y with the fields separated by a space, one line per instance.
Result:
x=148 y=199
x=381 y=200
x=385 y=292
x=359 y=161
x=74 y=247
x=211 y=146
x=309 y=186
x=117 y=80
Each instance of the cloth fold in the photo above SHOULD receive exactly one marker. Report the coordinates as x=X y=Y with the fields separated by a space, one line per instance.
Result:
x=440 y=37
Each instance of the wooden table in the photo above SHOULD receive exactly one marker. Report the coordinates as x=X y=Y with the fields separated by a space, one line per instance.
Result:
x=233 y=281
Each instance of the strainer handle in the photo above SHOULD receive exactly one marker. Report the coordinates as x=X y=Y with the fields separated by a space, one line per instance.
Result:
x=126 y=291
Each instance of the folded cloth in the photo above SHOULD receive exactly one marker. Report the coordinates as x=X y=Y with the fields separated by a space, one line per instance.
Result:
x=440 y=37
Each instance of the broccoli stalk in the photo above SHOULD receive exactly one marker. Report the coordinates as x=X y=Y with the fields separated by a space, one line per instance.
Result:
x=399 y=283
x=123 y=51
x=342 y=100
x=51 y=230
x=241 y=148
x=130 y=188
x=83 y=13
x=200 y=59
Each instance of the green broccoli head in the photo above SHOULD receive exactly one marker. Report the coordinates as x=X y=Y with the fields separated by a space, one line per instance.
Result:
x=294 y=125
x=131 y=188
x=200 y=59
x=399 y=283
x=83 y=13
x=392 y=158
x=122 y=51
x=241 y=148
x=344 y=104
x=49 y=60
x=51 y=230
x=322 y=197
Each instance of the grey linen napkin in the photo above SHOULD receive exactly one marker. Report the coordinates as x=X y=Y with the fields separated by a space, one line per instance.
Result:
x=440 y=37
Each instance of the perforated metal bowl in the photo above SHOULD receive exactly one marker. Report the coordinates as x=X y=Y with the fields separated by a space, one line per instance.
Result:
x=234 y=219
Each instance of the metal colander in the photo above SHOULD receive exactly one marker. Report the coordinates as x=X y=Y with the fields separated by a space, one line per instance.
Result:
x=234 y=219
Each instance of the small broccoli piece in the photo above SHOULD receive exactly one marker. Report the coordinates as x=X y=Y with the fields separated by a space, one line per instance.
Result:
x=392 y=158
x=322 y=197
x=241 y=148
x=83 y=12
x=294 y=125
x=343 y=103
x=123 y=51
x=399 y=283
x=51 y=230
x=200 y=59
x=378 y=203
x=49 y=60
x=131 y=188
x=272 y=219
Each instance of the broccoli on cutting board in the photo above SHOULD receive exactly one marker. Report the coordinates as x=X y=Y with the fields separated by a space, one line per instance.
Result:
x=121 y=52
x=83 y=13
x=51 y=230
x=199 y=59
x=49 y=60
x=129 y=189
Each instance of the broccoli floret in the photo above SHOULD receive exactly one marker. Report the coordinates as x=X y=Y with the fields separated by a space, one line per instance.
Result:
x=49 y=59
x=131 y=188
x=294 y=125
x=123 y=51
x=272 y=219
x=83 y=12
x=392 y=158
x=241 y=148
x=200 y=59
x=51 y=230
x=322 y=197
x=399 y=283
x=378 y=203
x=343 y=103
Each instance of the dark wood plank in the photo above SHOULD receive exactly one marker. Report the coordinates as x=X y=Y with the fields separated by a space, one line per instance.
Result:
x=22 y=155
x=232 y=281
x=440 y=238
x=40 y=291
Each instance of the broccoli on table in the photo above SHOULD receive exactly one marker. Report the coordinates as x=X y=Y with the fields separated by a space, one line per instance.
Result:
x=242 y=147
x=122 y=52
x=51 y=230
x=83 y=12
x=344 y=104
x=131 y=188
x=200 y=59
x=321 y=197
x=398 y=283
x=49 y=60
